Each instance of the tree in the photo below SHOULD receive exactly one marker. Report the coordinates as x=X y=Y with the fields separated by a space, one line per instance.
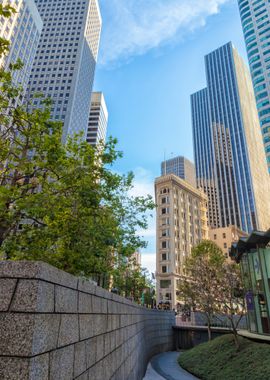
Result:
x=61 y=204
x=230 y=298
x=201 y=287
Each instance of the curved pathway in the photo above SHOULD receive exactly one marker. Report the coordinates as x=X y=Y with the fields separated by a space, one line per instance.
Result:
x=165 y=366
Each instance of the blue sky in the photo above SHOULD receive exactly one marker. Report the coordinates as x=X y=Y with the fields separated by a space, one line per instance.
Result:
x=151 y=60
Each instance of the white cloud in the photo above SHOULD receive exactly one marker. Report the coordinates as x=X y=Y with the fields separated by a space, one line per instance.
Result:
x=149 y=261
x=132 y=27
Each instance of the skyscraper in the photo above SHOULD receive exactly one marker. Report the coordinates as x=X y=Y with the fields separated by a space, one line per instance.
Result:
x=181 y=167
x=98 y=119
x=255 y=18
x=181 y=224
x=65 y=62
x=23 y=31
x=228 y=145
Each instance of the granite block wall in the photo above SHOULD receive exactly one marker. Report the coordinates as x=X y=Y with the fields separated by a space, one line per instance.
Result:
x=54 y=326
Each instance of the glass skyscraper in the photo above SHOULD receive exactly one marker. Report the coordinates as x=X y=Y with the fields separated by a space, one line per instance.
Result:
x=23 y=31
x=181 y=167
x=98 y=120
x=255 y=18
x=65 y=62
x=229 y=156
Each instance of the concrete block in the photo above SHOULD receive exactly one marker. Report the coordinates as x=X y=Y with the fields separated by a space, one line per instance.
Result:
x=61 y=363
x=96 y=304
x=107 y=344
x=99 y=372
x=7 y=286
x=90 y=348
x=33 y=296
x=39 y=367
x=79 y=358
x=83 y=376
x=85 y=303
x=46 y=328
x=99 y=347
x=16 y=332
x=37 y=270
x=66 y=300
x=14 y=368
x=87 y=328
x=86 y=286
x=69 y=330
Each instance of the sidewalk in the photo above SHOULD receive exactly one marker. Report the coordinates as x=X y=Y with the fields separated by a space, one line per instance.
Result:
x=165 y=366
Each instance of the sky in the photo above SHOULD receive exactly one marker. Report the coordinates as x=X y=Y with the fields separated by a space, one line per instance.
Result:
x=151 y=60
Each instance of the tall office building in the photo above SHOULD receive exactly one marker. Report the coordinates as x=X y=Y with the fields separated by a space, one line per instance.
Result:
x=22 y=30
x=65 y=62
x=98 y=120
x=181 y=167
x=228 y=145
x=181 y=224
x=255 y=18
x=204 y=154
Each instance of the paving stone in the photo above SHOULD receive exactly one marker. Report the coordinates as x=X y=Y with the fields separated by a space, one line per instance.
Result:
x=66 y=300
x=7 y=286
x=33 y=296
x=69 y=329
x=62 y=360
x=79 y=359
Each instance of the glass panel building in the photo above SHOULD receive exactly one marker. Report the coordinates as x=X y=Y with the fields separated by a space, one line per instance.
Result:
x=229 y=155
x=64 y=65
x=253 y=253
x=255 y=18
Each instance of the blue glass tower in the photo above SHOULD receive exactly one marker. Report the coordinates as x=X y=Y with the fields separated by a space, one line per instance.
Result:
x=229 y=156
x=255 y=18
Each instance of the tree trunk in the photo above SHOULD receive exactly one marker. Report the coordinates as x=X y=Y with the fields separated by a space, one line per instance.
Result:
x=209 y=330
x=236 y=340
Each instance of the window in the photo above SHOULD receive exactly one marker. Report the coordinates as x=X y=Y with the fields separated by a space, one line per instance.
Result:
x=164 y=256
x=215 y=237
x=165 y=284
x=224 y=235
x=225 y=245
x=164 y=269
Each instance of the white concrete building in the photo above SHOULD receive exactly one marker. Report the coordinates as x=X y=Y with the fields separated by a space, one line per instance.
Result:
x=23 y=31
x=66 y=58
x=181 y=224
x=98 y=120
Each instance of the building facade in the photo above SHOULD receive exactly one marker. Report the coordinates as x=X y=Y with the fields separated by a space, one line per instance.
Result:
x=253 y=254
x=181 y=167
x=204 y=154
x=65 y=62
x=98 y=120
x=22 y=30
x=255 y=18
x=230 y=130
x=224 y=237
x=181 y=224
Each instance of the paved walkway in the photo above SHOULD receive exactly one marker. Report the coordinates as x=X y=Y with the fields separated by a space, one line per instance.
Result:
x=165 y=367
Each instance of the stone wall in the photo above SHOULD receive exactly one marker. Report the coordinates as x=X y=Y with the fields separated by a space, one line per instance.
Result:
x=58 y=327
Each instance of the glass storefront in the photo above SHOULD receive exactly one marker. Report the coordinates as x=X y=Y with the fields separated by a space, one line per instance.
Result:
x=255 y=266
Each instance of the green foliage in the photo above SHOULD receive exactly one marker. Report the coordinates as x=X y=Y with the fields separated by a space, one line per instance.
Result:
x=219 y=359
x=5 y=11
x=61 y=204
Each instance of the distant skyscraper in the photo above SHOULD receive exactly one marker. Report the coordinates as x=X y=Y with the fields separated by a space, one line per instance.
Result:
x=98 y=119
x=181 y=167
x=65 y=62
x=23 y=31
x=181 y=224
x=255 y=18
x=229 y=155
